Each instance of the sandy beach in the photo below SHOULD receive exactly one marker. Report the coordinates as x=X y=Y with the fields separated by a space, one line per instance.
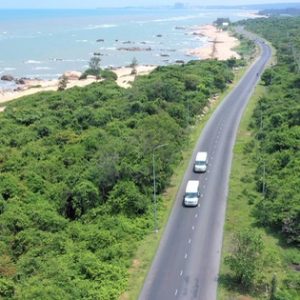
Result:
x=219 y=46
x=125 y=77
x=34 y=86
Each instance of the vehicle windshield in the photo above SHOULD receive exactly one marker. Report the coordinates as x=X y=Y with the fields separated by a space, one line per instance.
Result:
x=191 y=195
x=200 y=163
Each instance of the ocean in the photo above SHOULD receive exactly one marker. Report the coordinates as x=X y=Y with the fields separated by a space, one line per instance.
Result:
x=45 y=43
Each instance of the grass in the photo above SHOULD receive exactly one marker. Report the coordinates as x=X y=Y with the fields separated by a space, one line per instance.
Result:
x=148 y=247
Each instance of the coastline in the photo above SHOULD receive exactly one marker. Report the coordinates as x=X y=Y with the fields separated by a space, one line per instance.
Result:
x=32 y=86
x=219 y=46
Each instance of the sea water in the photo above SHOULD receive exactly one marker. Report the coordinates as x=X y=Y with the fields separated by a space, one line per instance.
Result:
x=45 y=43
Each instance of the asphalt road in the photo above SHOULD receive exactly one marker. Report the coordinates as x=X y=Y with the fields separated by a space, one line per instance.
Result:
x=186 y=265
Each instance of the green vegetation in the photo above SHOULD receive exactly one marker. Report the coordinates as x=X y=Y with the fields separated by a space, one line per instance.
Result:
x=76 y=178
x=94 y=68
x=264 y=189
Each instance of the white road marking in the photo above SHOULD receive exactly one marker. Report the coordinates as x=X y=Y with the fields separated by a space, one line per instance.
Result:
x=176 y=292
x=190 y=241
x=193 y=227
x=181 y=272
x=185 y=256
x=196 y=215
x=205 y=178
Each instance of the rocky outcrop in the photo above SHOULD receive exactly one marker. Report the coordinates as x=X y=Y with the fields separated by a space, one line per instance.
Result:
x=72 y=75
x=134 y=49
x=100 y=40
x=159 y=35
x=7 y=78
x=180 y=27
x=179 y=61
x=20 y=81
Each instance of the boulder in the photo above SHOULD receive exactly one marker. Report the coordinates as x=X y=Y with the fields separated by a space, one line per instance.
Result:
x=7 y=78
x=72 y=75
x=20 y=81
x=134 y=49
x=100 y=40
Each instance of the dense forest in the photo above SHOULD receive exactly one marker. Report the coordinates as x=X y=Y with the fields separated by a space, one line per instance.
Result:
x=76 y=178
x=274 y=150
x=277 y=125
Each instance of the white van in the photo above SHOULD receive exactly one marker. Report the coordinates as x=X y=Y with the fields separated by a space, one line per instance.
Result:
x=200 y=164
x=191 y=196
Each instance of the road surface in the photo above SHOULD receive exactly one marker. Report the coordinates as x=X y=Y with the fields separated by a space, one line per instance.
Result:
x=186 y=265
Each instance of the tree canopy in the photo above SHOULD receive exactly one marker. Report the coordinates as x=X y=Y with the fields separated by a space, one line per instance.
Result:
x=76 y=178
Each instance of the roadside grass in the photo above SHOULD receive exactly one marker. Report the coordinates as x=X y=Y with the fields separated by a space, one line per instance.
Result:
x=239 y=215
x=148 y=247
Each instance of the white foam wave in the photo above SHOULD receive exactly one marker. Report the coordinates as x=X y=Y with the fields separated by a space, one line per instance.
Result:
x=108 y=48
x=76 y=60
x=93 y=27
x=179 y=18
x=43 y=75
x=9 y=69
x=32 y=61
x=81 y=41
x=42 y=68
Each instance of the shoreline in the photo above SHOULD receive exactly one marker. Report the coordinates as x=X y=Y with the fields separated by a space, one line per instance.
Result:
x=219 y=46
x=33 y=86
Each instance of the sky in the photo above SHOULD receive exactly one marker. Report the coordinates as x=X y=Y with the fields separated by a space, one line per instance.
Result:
x=122 y=3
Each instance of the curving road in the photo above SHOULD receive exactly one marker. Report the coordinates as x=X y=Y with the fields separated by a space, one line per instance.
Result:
x=186 y=265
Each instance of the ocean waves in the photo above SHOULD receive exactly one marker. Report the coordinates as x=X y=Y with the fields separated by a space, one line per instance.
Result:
x=93 y=27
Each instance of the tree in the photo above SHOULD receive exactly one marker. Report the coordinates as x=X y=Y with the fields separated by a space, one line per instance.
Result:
x=94 y=64
x=125 y=197
x=133 y=65
x=85 y=196
x=246 y=260
x=62 y=84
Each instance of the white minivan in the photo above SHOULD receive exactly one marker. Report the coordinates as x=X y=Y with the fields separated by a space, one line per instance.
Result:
x=192 y=194
x=200 y=164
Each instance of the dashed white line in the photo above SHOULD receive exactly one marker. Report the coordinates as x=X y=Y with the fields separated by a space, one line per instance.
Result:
x=196 y=216
x=185 y=256
x=190 y=241
x=193 y=227
x=176 y=292
x=181 y=272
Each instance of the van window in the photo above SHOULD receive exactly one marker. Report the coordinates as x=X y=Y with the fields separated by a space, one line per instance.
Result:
x=191 y=195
